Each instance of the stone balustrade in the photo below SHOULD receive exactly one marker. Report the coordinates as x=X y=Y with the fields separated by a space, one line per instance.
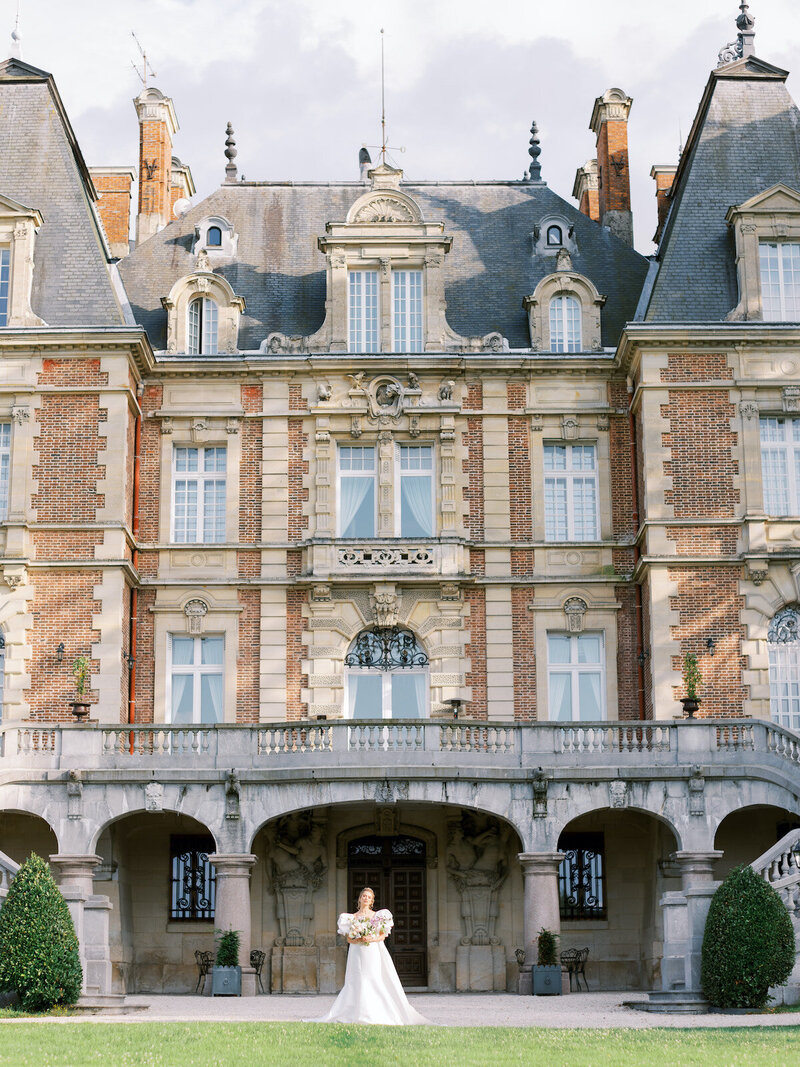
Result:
x=560 y=748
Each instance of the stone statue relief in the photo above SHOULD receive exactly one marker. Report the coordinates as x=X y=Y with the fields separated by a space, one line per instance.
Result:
x=477 y=862
x=298 y=863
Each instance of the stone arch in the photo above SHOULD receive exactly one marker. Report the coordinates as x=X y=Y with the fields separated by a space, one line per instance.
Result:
x=203 y=282
x=23 y=832
x=745 y=833
x=161 y=807
x=384 y=206
x=619 y=796
x=568 y=283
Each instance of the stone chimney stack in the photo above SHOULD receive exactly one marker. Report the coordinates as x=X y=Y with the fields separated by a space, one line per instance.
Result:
x=664 y=177
x=114 y=189
x=158 y=124
x=586 y=191
x=610 y=123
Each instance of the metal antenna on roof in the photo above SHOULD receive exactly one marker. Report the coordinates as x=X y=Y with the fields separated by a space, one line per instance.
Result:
x=383 y=102
x=16 y=39
x=144 y=72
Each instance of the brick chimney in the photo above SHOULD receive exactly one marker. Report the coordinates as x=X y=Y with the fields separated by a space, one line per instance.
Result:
x=113 y=185
x=585 y=190
x=158 y=124
x=664 y=177
x=610 y=122
x=182 y=184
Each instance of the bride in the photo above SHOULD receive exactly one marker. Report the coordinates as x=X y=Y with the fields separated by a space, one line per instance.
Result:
x=371 y=992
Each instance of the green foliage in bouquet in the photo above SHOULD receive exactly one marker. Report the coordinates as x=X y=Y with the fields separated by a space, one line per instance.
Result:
x=748 y=944
x=39 y=958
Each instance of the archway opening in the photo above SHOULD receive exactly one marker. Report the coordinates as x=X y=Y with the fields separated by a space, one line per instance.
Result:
x=617 y=866
x=22 y=833
x=748 y=833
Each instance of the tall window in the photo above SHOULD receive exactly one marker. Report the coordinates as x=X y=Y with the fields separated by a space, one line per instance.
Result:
x=575 y=676
x=581 y=877
x=416 y=490
x=198 y=505
x=196 y=679
x=356 y=491
x=565 y=324
x=202 y=327
x=5 y=283
x=570 y=493
x=363 y=318
x=780 y=465
x=407 y=310
x=780 y=281
x=783 y=644
x=192 y=894
x=5 y=466
x=386 y=675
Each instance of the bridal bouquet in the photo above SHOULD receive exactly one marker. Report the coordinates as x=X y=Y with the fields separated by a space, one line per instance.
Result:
x=366 y=930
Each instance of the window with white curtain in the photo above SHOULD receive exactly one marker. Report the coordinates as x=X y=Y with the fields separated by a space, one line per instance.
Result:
x=195 y=672
x=780 y=281
x=363 y=306
x=576 y=677
x=5 y=466
x=202 y=327
x=357 y=473
x=407 y=311
x=414 y=497
x=570 y=493
x=5 y=284
x=565 y=324
x=198 y=494
x=783 y=645
x=386 y=676
x=780 y=465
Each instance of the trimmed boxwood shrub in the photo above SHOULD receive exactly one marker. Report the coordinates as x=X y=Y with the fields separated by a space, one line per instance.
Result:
x=39 y=958
x=748 y=944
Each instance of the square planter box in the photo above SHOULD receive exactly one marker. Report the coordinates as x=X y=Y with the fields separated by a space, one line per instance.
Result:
x=226 y=982
x=546 y=981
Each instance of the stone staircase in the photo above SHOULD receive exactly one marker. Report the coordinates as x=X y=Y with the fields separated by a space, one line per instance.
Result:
x=780 y=866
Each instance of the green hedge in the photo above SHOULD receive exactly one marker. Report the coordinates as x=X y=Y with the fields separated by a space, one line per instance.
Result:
x=39 y=958
x=748 y=944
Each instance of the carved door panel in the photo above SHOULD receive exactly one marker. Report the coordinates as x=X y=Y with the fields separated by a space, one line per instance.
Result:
x=395 y=868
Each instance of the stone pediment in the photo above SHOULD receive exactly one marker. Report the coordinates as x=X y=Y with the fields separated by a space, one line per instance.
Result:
x=384 y=209
x=780 y=198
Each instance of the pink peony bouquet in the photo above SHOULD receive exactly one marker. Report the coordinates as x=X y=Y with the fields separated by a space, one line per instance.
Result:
x=367 y=930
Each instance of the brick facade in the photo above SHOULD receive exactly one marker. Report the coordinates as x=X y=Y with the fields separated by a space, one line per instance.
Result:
x=524 y=653
x=248 y=663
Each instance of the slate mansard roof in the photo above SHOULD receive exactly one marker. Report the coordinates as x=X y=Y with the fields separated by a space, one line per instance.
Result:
x=745 y=139
x=41 y=167
x=281 y=273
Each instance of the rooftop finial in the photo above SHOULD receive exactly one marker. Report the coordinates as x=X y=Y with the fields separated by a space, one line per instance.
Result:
x=230 y=154
x=535 y=169
x=743 y=46
x=16 y=39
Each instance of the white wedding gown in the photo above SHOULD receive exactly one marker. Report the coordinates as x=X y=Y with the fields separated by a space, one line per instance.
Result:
x=372 y=992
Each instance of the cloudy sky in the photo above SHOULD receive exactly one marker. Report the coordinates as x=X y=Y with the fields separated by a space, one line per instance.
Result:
x=300 y=79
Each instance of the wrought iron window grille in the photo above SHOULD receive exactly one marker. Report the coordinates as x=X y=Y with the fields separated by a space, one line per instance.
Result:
x=785 y=627
x=386 y=648
x=193 y=880
x=581 y=876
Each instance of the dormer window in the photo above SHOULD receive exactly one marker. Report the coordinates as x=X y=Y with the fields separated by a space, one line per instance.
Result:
x=5 y=280
x=564 y=311
x=202 y=327
x=780 y=280
x=364 y=307
x=555 y=237
x=363 y=311
x=565 y=324
x=407 y=310
x=214 y=237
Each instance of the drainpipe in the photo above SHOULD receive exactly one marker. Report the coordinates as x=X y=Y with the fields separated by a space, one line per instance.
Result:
x=137 y=442
x=636 y=555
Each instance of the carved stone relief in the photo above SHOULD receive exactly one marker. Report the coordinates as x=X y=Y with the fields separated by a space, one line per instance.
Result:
x=477 y=862
x=298 y=863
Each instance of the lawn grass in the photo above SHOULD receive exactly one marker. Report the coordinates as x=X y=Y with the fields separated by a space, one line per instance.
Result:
x=73 y=1044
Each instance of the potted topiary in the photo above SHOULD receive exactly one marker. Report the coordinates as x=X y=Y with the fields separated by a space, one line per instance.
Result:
x=80 y=672
x=226 y=976
x=748 y=944
x=546 y=974
x=691 y=681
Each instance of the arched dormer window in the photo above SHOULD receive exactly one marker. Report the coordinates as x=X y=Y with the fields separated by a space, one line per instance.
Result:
x=202 y=314
x=565 y=324
x=202 y=327
x=783 y=644
x=386 y=672
x=555 y=236
x=214 y=237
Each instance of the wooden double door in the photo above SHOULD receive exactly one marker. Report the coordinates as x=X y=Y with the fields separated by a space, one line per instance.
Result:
x=395 y=868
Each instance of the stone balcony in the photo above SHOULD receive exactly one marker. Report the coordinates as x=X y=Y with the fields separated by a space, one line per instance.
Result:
x=418 y=748
x=385 y=558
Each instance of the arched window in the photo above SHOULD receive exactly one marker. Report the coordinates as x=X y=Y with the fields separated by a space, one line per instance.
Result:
x=201 y=327
x=386 y=675
x=555 y=237
x=783 y=643
x=214 y=237
x=565 y=324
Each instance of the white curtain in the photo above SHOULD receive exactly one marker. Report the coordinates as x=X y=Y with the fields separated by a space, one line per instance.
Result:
x=560 y=698
x=353 y=493
x=417 y=512
x=589 y=694
x=181 y=699
x=408 y=695
x=211 y=698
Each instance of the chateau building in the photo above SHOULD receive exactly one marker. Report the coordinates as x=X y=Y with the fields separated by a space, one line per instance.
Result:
x=386 y=515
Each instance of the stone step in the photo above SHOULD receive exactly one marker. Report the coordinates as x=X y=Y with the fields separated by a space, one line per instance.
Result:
x=672 y=1002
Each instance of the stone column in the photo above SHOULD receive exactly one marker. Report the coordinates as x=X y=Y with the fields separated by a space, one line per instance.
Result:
x=697 y=873
x=233 y=907
x=540 y=872
x=90 y=915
